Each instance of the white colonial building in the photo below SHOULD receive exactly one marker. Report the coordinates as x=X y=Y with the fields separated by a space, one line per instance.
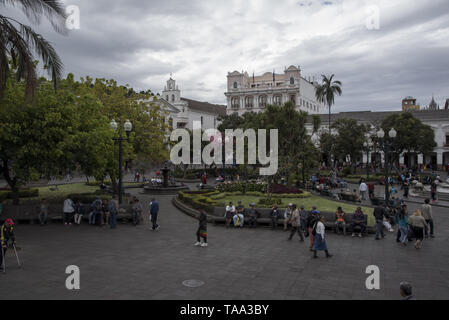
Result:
x=438 y=120
x=253 y=94
x=181 y=112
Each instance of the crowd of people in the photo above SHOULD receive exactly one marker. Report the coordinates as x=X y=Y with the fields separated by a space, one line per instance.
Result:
x=102 y=212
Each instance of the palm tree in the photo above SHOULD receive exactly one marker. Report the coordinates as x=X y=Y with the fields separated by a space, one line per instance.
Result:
x=325 y=93
x=18 y=42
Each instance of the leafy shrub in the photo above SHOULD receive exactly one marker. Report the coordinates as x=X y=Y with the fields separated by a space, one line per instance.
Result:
x=346 y=171
x=280 y=188
x=23 y=193
x=269 y=202
x=242 y=187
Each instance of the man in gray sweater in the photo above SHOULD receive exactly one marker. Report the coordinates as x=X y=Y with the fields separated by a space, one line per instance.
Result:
x=427 y=214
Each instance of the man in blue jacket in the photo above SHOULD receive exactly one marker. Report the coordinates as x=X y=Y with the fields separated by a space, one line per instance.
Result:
x=154 y=210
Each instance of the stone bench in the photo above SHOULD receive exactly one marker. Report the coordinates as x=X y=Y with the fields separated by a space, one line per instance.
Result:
x=28 y=213
x=329 y=218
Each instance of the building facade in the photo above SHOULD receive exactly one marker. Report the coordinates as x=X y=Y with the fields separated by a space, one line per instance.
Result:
x=438 y=120
x=181 y=112
x=253 y=94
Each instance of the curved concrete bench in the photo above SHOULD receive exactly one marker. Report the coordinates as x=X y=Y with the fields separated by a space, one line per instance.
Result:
x=217 y=216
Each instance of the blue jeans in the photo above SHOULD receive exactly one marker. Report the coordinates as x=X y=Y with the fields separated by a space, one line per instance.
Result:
x=241 y=219
x=92 y=217
x=379 y=228
x=113 y=220
x=404 y=234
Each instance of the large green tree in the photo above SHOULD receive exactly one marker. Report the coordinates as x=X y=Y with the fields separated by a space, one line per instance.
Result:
x=412 y=134
x=349 y=138
x=35 y=141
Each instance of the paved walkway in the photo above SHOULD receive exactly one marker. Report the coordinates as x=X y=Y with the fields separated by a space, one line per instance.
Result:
x=136 y=263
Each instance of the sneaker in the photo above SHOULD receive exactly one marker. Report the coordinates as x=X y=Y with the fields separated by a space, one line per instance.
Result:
x=353 y=235
x=204 y=244
x=329 y=255
x=360 y=235
x=157 y=228
x=197 y=243
x=65 y=223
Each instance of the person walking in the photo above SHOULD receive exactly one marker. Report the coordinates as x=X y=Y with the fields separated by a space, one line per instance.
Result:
x=405 y=289
x=311 y=220
x=379 y=214
x=428 y=216
x=295 y=220
x=113 y=212
x=320 y=240
x=402 y=221
x=154 y=211
x=137 y=211
x=43 y=212
x=69 y=208
x=201 y=233
x=6 y=234
x=406 y=188
x=433 y=191
x=418 y=224
x=363 y=188
x=287 y=215
x=303 y=214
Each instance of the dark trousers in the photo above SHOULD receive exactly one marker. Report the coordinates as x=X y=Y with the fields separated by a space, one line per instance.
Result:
x=154 y=220
x=68 y=217
x=1 y=255
x=298 y=230
x=136 y=217
x=274 y=222
x=430 y=223
x=362 y=227
x=113 y=220
x=379 y=228
x=198 y=235
x=252 y=222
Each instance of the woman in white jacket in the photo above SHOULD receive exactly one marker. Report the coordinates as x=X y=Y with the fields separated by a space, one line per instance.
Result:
x=320 y=240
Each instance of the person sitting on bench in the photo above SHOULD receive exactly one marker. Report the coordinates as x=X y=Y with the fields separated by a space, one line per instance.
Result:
x=340 y=220
x=358 y=222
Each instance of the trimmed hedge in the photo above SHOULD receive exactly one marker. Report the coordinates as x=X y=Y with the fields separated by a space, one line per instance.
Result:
x=23 y=193
x=243 y=187
x=208 y=199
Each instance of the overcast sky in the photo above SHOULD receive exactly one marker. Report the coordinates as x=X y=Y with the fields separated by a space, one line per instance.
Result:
x=141 y=42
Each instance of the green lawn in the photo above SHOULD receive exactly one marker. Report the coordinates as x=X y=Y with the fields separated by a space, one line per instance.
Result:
x=66 y=189
x=322 y=204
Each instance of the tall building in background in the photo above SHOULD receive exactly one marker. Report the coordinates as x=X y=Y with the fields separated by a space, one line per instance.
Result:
x=247 y=93
x=409 y=104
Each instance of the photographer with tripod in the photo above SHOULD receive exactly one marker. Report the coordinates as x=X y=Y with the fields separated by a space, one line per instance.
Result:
x=6 y=234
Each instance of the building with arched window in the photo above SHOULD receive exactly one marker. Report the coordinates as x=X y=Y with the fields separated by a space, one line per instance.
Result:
x=256 y=92
x=181 y=112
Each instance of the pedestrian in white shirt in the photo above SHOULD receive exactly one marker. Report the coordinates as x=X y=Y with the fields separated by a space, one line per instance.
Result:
x=363 y=188
x=68 y=210
x=320 y=240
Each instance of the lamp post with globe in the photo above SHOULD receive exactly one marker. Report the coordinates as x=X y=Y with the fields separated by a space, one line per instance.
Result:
x=386 y=142
x=128 y=128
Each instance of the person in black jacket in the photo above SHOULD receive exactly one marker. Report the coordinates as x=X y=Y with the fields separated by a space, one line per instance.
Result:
x=201 y=233
x=379 y=214
x=6 y=234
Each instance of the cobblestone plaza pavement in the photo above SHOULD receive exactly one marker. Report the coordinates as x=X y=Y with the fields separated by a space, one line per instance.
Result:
x=137 y=263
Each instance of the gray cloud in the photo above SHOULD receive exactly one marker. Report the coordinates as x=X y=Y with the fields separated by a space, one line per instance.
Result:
x=142 y=42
